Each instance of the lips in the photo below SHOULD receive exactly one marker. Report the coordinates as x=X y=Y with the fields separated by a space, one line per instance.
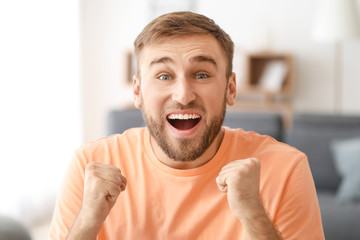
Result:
x=185 y=121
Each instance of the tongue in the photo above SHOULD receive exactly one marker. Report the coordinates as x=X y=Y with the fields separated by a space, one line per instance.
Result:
x=184 y=124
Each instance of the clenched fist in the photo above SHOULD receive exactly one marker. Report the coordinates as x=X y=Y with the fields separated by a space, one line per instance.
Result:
x=102 y=185
x=240 y=180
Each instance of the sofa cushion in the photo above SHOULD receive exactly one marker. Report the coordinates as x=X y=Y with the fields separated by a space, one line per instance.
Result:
x=347 y=162
x=312 y=134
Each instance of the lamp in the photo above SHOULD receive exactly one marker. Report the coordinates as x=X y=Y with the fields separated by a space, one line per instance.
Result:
x=336 y=21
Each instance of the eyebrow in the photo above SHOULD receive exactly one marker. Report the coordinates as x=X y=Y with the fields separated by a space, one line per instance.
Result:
x=199 y=58
x=202 y=58
x=161 y=60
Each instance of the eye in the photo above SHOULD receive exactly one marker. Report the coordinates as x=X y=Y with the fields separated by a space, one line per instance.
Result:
x=164 y=77
x=201 y=76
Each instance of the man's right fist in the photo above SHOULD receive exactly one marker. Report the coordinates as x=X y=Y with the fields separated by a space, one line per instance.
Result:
x=102 y=186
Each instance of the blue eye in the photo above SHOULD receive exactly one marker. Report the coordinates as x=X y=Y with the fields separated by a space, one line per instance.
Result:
x=164 y=77
x=201 y=76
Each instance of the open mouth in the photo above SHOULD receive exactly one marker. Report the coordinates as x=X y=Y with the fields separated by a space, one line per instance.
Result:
x=183 y=121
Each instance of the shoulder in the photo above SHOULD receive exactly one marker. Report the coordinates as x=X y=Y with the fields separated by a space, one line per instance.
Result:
x=264 y=147
x=112 y=144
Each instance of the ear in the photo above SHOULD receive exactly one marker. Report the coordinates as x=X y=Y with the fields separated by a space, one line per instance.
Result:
x=136 y=91
x=231 y=90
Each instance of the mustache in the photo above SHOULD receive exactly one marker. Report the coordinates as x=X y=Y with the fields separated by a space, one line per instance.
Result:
x=192 y=105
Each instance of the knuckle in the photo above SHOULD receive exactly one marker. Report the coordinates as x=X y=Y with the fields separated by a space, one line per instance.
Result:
x=242 y=171
x=124 y=180
x=116 y=189
x=115 y=170
x=223 y=168
x=91 y=166
x=252 y=163
x=255 y=161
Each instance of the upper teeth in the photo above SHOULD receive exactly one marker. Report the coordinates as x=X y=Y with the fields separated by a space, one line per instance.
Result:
x=183 y=116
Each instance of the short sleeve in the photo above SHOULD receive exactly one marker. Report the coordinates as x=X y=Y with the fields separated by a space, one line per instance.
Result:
x=70 y=197
x=298 y=215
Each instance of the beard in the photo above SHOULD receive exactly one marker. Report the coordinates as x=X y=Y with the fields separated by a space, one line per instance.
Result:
x=185 y=149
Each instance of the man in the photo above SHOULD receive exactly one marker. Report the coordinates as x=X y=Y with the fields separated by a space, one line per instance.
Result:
x=185 y=176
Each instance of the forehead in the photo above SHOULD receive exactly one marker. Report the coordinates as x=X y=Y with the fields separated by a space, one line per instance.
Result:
x=183 y=48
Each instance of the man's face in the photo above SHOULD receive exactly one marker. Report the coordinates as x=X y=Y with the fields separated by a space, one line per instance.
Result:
x=183 y=93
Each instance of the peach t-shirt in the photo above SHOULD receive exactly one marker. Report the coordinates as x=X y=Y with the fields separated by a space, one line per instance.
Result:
x=165 y=203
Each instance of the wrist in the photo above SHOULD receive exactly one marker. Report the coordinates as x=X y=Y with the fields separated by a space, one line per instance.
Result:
x=251 y=209
x=84 y=227
x=257 y=223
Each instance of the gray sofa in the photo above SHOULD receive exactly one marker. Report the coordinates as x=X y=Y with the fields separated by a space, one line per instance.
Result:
x=313 y=134
x=264 y=123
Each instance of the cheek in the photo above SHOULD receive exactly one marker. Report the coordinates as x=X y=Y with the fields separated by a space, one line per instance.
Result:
x=214 y=98
x=153 y=102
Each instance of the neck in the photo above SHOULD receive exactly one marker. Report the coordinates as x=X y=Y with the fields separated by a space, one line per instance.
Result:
x=203 y=159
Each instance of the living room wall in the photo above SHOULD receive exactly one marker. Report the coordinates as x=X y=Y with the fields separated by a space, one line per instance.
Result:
x=109 y=28
x=40 y=124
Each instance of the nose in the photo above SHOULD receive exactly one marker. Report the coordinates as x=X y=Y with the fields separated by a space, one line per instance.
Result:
x=184 y=92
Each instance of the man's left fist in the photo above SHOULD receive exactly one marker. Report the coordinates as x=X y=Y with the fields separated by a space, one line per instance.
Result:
x=240 y=179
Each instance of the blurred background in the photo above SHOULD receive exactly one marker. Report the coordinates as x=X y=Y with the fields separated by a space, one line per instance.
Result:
x=65 y=64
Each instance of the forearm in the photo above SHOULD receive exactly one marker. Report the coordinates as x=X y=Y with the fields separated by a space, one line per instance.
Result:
x=257 y=225
x=102 y=186
x=240 y=179
x=83 y=228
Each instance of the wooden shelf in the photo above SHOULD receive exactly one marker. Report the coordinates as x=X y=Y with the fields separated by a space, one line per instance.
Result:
x=272 y=67
x=268 y=85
